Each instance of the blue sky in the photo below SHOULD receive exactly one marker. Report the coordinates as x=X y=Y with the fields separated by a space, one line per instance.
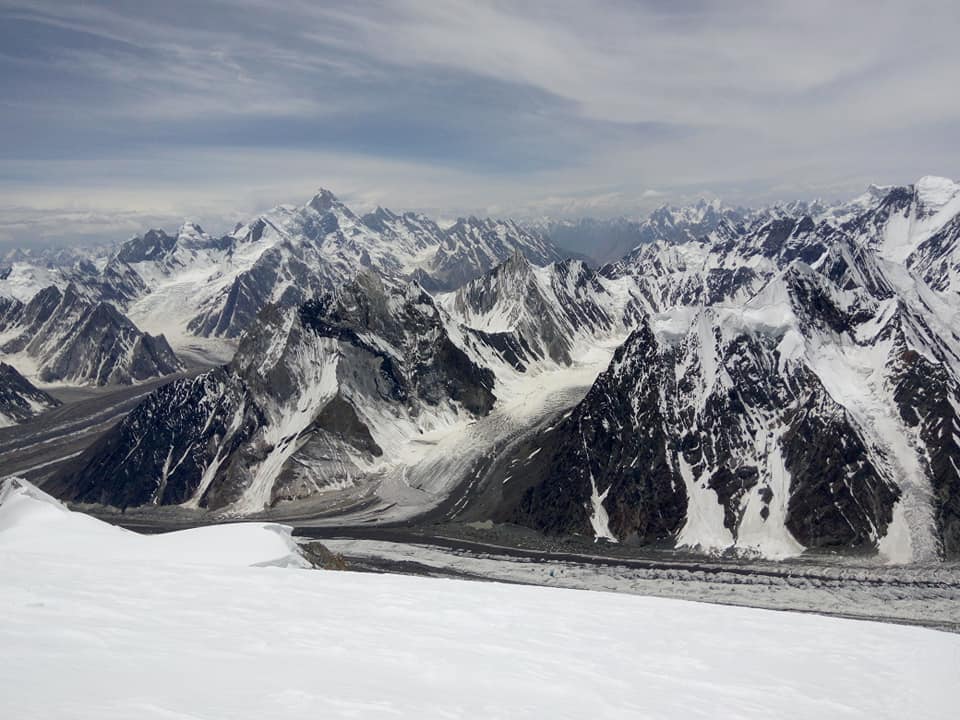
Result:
x=120 y=115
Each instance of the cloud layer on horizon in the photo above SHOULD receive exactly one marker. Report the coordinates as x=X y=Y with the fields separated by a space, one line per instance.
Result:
x=220 y=109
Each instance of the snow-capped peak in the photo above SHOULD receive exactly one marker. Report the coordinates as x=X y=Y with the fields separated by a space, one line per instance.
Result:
x=190 y=228
x=324 y=201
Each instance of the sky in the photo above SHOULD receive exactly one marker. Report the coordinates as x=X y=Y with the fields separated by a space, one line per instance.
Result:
x=120 y=115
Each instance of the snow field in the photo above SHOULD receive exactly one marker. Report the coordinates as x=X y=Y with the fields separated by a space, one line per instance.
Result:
x=90 y=631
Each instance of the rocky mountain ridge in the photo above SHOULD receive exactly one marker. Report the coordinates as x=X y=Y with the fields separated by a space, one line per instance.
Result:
x=67 y=338
x=783 y=384
x=199 y=292
x=20 y=399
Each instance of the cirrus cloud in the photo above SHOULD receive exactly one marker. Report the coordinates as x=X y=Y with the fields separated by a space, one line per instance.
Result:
x=218 y=109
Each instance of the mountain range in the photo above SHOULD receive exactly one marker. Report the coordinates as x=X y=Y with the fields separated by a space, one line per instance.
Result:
x=761 y=382
x=160 y=301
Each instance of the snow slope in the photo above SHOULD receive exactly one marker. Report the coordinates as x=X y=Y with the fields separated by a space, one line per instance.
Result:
x=35 y=525
x=22 y=280
x=113 y=630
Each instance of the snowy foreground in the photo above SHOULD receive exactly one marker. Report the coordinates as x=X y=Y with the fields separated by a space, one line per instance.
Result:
x=225 y=622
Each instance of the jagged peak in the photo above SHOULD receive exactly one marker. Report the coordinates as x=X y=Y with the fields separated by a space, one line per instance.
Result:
x=323 y=201
x=479 y=222
x=726 y=229
x=50 y=292
x=379 y=217
x=661 y=211
x=640 y=347
x=510 y=281
x=517 y=264
x=189 y=228
x=712 y=204
x=701 y=205
x=148 y=245
x=379 y=213
x=776 y=292
x=469 y=220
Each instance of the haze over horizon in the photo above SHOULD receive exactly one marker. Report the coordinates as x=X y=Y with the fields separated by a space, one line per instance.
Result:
x=118 y=116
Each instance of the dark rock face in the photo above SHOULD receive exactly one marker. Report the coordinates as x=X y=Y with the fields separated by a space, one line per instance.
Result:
x=162 y=451
x=19 y=398
x=722 y=283
x=937 y=259
x=431 y=368
x=614 y=440
x=510 y=347
x=32 y=317
x=644 y=420
x=927 y=398
x=871 y=223
x=837 y=497
x=109 y=350
x=118 y=284
x=248 y=294
x=819 y=306
x=843 y=483
x=77 y=340
x=340 y=420
x=848 y=301
x=152 y=245
x=10 y=310
x=850 y=267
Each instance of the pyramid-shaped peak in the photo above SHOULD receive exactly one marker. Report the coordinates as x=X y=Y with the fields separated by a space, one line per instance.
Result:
x=379 y=218
x=516 y=261
x=324 y=201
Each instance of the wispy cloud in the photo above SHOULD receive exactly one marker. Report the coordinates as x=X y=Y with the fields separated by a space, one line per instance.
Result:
x=153 y=111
